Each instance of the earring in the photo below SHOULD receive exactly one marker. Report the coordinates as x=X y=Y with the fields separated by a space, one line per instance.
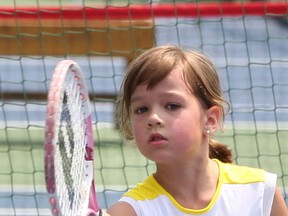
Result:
x=208 y=132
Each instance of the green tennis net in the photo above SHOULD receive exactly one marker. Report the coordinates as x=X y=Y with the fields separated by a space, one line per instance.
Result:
x=247 y=41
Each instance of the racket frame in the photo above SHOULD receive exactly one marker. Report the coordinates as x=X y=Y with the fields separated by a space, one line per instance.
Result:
x=55 y=99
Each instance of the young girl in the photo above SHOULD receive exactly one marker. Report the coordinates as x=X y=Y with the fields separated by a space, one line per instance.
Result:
x=171 y=106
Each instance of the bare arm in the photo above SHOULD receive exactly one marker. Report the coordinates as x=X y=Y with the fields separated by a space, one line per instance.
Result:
x=279 y=206
x=121 y=209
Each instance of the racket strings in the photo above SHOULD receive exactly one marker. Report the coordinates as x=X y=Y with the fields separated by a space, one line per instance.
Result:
x=71 y=147
x=66 y=148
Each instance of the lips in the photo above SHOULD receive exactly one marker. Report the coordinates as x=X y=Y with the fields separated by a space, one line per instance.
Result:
x=157 y=139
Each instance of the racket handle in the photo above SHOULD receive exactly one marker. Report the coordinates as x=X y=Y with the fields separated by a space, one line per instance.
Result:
x=93 y=213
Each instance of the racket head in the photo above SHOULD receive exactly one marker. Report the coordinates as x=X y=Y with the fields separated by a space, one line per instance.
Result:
x=69 y=143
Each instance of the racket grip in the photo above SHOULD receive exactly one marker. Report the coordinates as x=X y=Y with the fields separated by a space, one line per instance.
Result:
x=93 y=213
x=99 y=213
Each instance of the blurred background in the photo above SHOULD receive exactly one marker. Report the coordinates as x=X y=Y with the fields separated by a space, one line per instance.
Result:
x=247 y=41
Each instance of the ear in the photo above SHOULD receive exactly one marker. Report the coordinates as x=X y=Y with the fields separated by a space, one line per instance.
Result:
x=213 y=117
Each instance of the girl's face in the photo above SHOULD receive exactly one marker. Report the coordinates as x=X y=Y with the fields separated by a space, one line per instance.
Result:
x=168 y=120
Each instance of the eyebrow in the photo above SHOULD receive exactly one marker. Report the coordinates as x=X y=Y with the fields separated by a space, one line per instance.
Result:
x=135 y=99
x=169 y=94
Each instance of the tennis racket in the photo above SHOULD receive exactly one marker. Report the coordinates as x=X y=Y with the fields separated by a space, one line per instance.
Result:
x=69 y=144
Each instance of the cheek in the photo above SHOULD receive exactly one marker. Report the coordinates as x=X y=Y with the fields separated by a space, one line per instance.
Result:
x=182 y=132
x=137 y=127
x=187 y=131
x=141 y=141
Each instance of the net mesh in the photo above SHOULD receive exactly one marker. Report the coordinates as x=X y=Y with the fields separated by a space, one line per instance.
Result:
x=247 y=41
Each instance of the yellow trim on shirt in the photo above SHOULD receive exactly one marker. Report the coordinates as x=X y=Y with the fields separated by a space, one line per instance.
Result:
x=228 y=174
x=233 y=174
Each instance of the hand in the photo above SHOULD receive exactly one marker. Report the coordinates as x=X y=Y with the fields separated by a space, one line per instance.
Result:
x=102 y=213
x=99 y=213
x=105 y=213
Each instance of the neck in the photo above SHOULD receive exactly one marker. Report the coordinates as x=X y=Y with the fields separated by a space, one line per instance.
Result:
x=200 y=178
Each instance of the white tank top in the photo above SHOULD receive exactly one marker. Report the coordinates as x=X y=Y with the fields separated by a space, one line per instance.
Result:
x=241 y=191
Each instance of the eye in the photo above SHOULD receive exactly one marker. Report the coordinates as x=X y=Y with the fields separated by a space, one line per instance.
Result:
x=140 y=110
x=173 y=106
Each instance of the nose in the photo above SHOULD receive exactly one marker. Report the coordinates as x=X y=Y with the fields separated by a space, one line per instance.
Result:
x=155 y=120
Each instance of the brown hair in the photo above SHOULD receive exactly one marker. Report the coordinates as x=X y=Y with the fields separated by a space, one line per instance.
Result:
x=199 y=73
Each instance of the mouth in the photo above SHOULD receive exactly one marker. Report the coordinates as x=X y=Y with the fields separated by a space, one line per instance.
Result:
x=157 y=139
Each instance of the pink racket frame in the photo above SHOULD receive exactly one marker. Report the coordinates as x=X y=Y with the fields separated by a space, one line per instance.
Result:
x=54 y=97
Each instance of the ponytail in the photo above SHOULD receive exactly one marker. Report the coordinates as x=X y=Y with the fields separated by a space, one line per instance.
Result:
x=220 y=151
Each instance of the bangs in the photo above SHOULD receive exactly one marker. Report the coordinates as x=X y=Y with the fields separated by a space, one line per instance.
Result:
x=155 y=71
x=149 y=69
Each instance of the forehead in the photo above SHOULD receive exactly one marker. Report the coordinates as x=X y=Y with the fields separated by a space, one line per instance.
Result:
x=175 y=79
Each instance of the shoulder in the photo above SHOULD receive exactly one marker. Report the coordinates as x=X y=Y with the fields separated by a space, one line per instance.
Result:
x=252 y=183
x=150 y=198
x=121 y=209
x=235 y=174
x=149 y=189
